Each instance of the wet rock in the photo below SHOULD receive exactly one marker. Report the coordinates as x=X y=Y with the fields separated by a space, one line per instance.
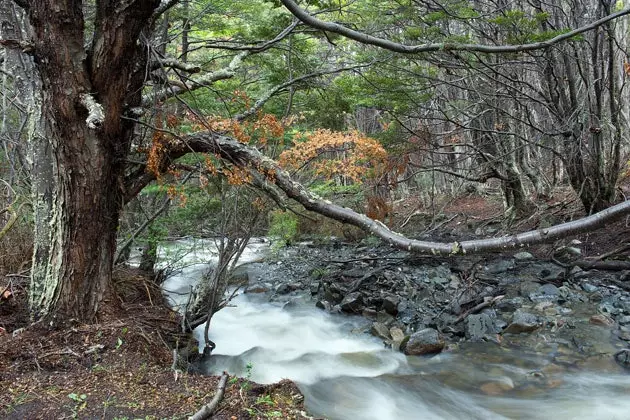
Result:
x=257 y=288
x=522 y=322
x=546 y=292
x=523 y=256
x=624 y=320
x=398 y=336
x=427 y=341
x=352 y=302
x=498 y=387
x=608 y=309
x=479 y=326
x=528 y=287
x=323 y=304
x=589 y=288
x=390 y=304
x=380 y=330
x=623 y=358
x=369 y=313
x=509 y=305
x=384 y=317
x=601 y=320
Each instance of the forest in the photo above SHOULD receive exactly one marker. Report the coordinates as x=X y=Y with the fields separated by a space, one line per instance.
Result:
x=440 y=131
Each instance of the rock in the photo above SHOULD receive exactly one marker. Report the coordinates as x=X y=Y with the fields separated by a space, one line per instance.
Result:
x=369 y=313
x=601 y=320
x=283 y=289
x=623 y=358
x=624 y=320
x=567 y=253
x=522 y=322
x=523 y=256
x=390 y=304
x=546 y=292
x=589 y=288
x=528 y=287
x=398 y=336
x=323 y=304
x=608 y=309
x=498 y=387
x=352 y=302
x=499 y=267
x=384 y=317
x=257 y=288
x=427 y=341
x=380 y=330
x=479 y=326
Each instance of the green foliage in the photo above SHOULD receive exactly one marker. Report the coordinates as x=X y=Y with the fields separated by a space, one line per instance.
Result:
x=283 y=227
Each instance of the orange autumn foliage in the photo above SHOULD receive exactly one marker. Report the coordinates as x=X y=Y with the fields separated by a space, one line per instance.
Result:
x=330 y=153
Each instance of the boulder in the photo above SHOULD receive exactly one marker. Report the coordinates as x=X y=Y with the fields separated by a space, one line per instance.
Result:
x=427 y=341
x=352 y=302
x=601 y=320
x=522 y=322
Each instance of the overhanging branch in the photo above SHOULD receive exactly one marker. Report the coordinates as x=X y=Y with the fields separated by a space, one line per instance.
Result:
x=443 y=46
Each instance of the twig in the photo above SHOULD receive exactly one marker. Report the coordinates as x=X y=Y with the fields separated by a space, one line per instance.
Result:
x=207 y=410
x=488 y=301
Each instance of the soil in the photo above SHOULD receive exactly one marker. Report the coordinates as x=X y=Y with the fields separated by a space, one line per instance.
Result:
x=117 y=368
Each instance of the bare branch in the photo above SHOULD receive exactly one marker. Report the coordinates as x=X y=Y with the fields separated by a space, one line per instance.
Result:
x=259 y=47
x=443 y=46
x=279 y=88
x=175 y=64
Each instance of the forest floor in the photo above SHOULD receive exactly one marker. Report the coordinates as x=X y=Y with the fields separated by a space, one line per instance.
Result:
x=121 y=366
x=117 y=368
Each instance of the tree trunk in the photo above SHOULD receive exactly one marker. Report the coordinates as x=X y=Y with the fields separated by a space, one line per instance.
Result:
x=89 y=143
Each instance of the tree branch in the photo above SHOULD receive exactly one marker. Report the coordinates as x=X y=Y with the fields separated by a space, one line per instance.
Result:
x=247 y=157
x=444 y=46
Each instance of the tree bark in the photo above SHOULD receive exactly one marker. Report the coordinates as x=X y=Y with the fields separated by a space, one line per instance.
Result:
x=83 y=100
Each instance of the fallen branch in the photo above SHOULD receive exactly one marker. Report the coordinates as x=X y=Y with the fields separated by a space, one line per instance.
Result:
x=207 y=410
x=487 y=301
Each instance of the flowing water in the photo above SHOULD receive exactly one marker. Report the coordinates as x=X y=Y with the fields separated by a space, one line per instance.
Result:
x=350 y=375
x=346 y=374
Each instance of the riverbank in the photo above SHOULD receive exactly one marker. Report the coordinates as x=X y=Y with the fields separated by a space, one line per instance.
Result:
x=571 y=298
x=120 y=367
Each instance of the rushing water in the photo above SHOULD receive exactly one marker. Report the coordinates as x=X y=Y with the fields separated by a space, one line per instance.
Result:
x=346 y=374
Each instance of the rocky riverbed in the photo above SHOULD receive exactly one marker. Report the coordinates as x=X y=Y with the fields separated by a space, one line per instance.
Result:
x=426 y=305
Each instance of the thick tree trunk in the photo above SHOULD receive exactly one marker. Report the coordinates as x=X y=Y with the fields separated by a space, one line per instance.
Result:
x=89 y=143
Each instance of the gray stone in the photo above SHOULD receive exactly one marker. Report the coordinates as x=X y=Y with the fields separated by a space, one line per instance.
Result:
x=283 y=289
x=427 y=341
x=528 y=287
x=523 y=256
x=390 y=304
x=567 y=253
x=589 y=288
x=623 y=358
x=352 y=302
x=384 y=317
x=323 y=304
x=479 y=326
x=608 y=309
x=380 y=330
x=398 y=336
x=522 y=322
x=500 y=267
x=257 y=288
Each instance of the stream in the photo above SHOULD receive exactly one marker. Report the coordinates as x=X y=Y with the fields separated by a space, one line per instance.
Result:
x=346 y=374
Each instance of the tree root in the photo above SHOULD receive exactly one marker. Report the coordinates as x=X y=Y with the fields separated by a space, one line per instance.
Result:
x=207 y=410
